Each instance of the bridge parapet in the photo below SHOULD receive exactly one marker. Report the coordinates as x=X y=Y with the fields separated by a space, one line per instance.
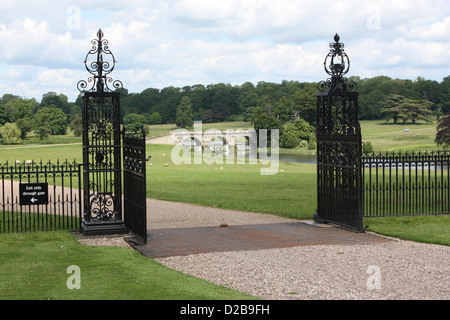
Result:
x=228 y=137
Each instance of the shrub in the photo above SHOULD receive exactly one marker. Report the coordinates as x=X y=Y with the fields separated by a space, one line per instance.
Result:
x=368 y=148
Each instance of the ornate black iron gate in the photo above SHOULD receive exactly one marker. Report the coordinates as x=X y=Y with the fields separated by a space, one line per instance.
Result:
x=134 y=184
x=102 y=184
x=339 y=188
x=102 y=154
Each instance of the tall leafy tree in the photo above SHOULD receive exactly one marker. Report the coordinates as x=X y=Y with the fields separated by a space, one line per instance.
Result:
x=394 y=108
x=57 y=120
x=417 y=110
x=25 y=125
x=283 y=110
x=184 y=113
x=76 y=125
x=400 y=107
x=41 y=123
x=304 y=105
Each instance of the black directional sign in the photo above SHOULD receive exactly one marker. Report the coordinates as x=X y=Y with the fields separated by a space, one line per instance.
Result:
x=33 y=193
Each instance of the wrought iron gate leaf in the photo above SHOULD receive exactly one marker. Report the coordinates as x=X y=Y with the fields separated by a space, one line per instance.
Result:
x=134 y=184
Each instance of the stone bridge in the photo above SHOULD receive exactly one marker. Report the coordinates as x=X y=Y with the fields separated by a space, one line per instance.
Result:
x=240 y=139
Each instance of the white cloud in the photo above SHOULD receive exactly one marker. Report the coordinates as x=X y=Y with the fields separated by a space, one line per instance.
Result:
x=186 y=42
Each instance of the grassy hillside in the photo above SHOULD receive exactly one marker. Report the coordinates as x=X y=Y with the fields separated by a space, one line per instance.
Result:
x=386 y=136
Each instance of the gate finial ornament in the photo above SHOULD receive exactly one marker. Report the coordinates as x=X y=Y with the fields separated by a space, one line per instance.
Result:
x=336 y=65
x=99 y=68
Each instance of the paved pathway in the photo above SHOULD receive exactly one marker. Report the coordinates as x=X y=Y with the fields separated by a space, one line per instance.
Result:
x=183 y=229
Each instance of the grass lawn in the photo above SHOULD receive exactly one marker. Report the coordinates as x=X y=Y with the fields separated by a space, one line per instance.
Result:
x=291 y=192
x=33 y=266
x=41 y=152
x=427 y=229
x=386 y=136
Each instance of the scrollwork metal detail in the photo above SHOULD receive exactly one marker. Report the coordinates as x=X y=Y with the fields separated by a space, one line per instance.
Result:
x=337 y=64
x=99 y=68
x=102 y=207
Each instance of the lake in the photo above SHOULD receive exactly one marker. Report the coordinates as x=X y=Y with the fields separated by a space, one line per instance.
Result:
x=296 y=158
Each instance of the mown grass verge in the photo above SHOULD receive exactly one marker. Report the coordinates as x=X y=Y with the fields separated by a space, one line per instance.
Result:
x=34 y=266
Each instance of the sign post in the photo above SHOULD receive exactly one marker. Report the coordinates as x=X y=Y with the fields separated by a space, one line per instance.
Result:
x=33 y=193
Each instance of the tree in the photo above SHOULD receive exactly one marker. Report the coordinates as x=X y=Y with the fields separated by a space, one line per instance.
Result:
x=295 y=132
x=155 y=118
x=76 y=125
x=41 y=123
x=75 y=110
x=20 y=108
x=443 y=131
x=183 y=117
x=305 y=130
x=393 y=107
x=51 y=99
x=133 y=122
x=219 y=112
x=10 y=133
x=57 y=120
x=25 y=125
x=4 y=117
x=262 y=120
x=290 y=138
x=368 y=148
x=400 y=107
x=283 y=111
x=305 y=105
x=208 y=116
x=417 y=110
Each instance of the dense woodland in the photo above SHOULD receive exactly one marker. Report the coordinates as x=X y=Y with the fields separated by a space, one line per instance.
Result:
x=289 y=106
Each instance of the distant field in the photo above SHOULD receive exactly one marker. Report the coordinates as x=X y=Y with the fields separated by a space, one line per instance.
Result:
x=41 y=152
x=386 y=136
x=158 y=129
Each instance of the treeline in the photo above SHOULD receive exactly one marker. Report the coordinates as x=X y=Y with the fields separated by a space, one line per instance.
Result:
x=289 y=106
x=286 y=102
x=52 y=116
x=224 y=102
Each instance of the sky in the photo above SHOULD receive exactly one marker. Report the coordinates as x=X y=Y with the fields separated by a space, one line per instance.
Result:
x=180 y=43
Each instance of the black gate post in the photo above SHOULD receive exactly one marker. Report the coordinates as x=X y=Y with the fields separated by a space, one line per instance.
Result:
x=339 y=150
x=102 y=184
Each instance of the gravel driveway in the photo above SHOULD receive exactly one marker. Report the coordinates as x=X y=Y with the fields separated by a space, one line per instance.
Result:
x=394 y=270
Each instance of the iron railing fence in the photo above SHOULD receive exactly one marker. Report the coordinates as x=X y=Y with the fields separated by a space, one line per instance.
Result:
x=403 y=184
x=55 y=206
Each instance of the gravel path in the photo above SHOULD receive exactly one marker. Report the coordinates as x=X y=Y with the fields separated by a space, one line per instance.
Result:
x=396 y=270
